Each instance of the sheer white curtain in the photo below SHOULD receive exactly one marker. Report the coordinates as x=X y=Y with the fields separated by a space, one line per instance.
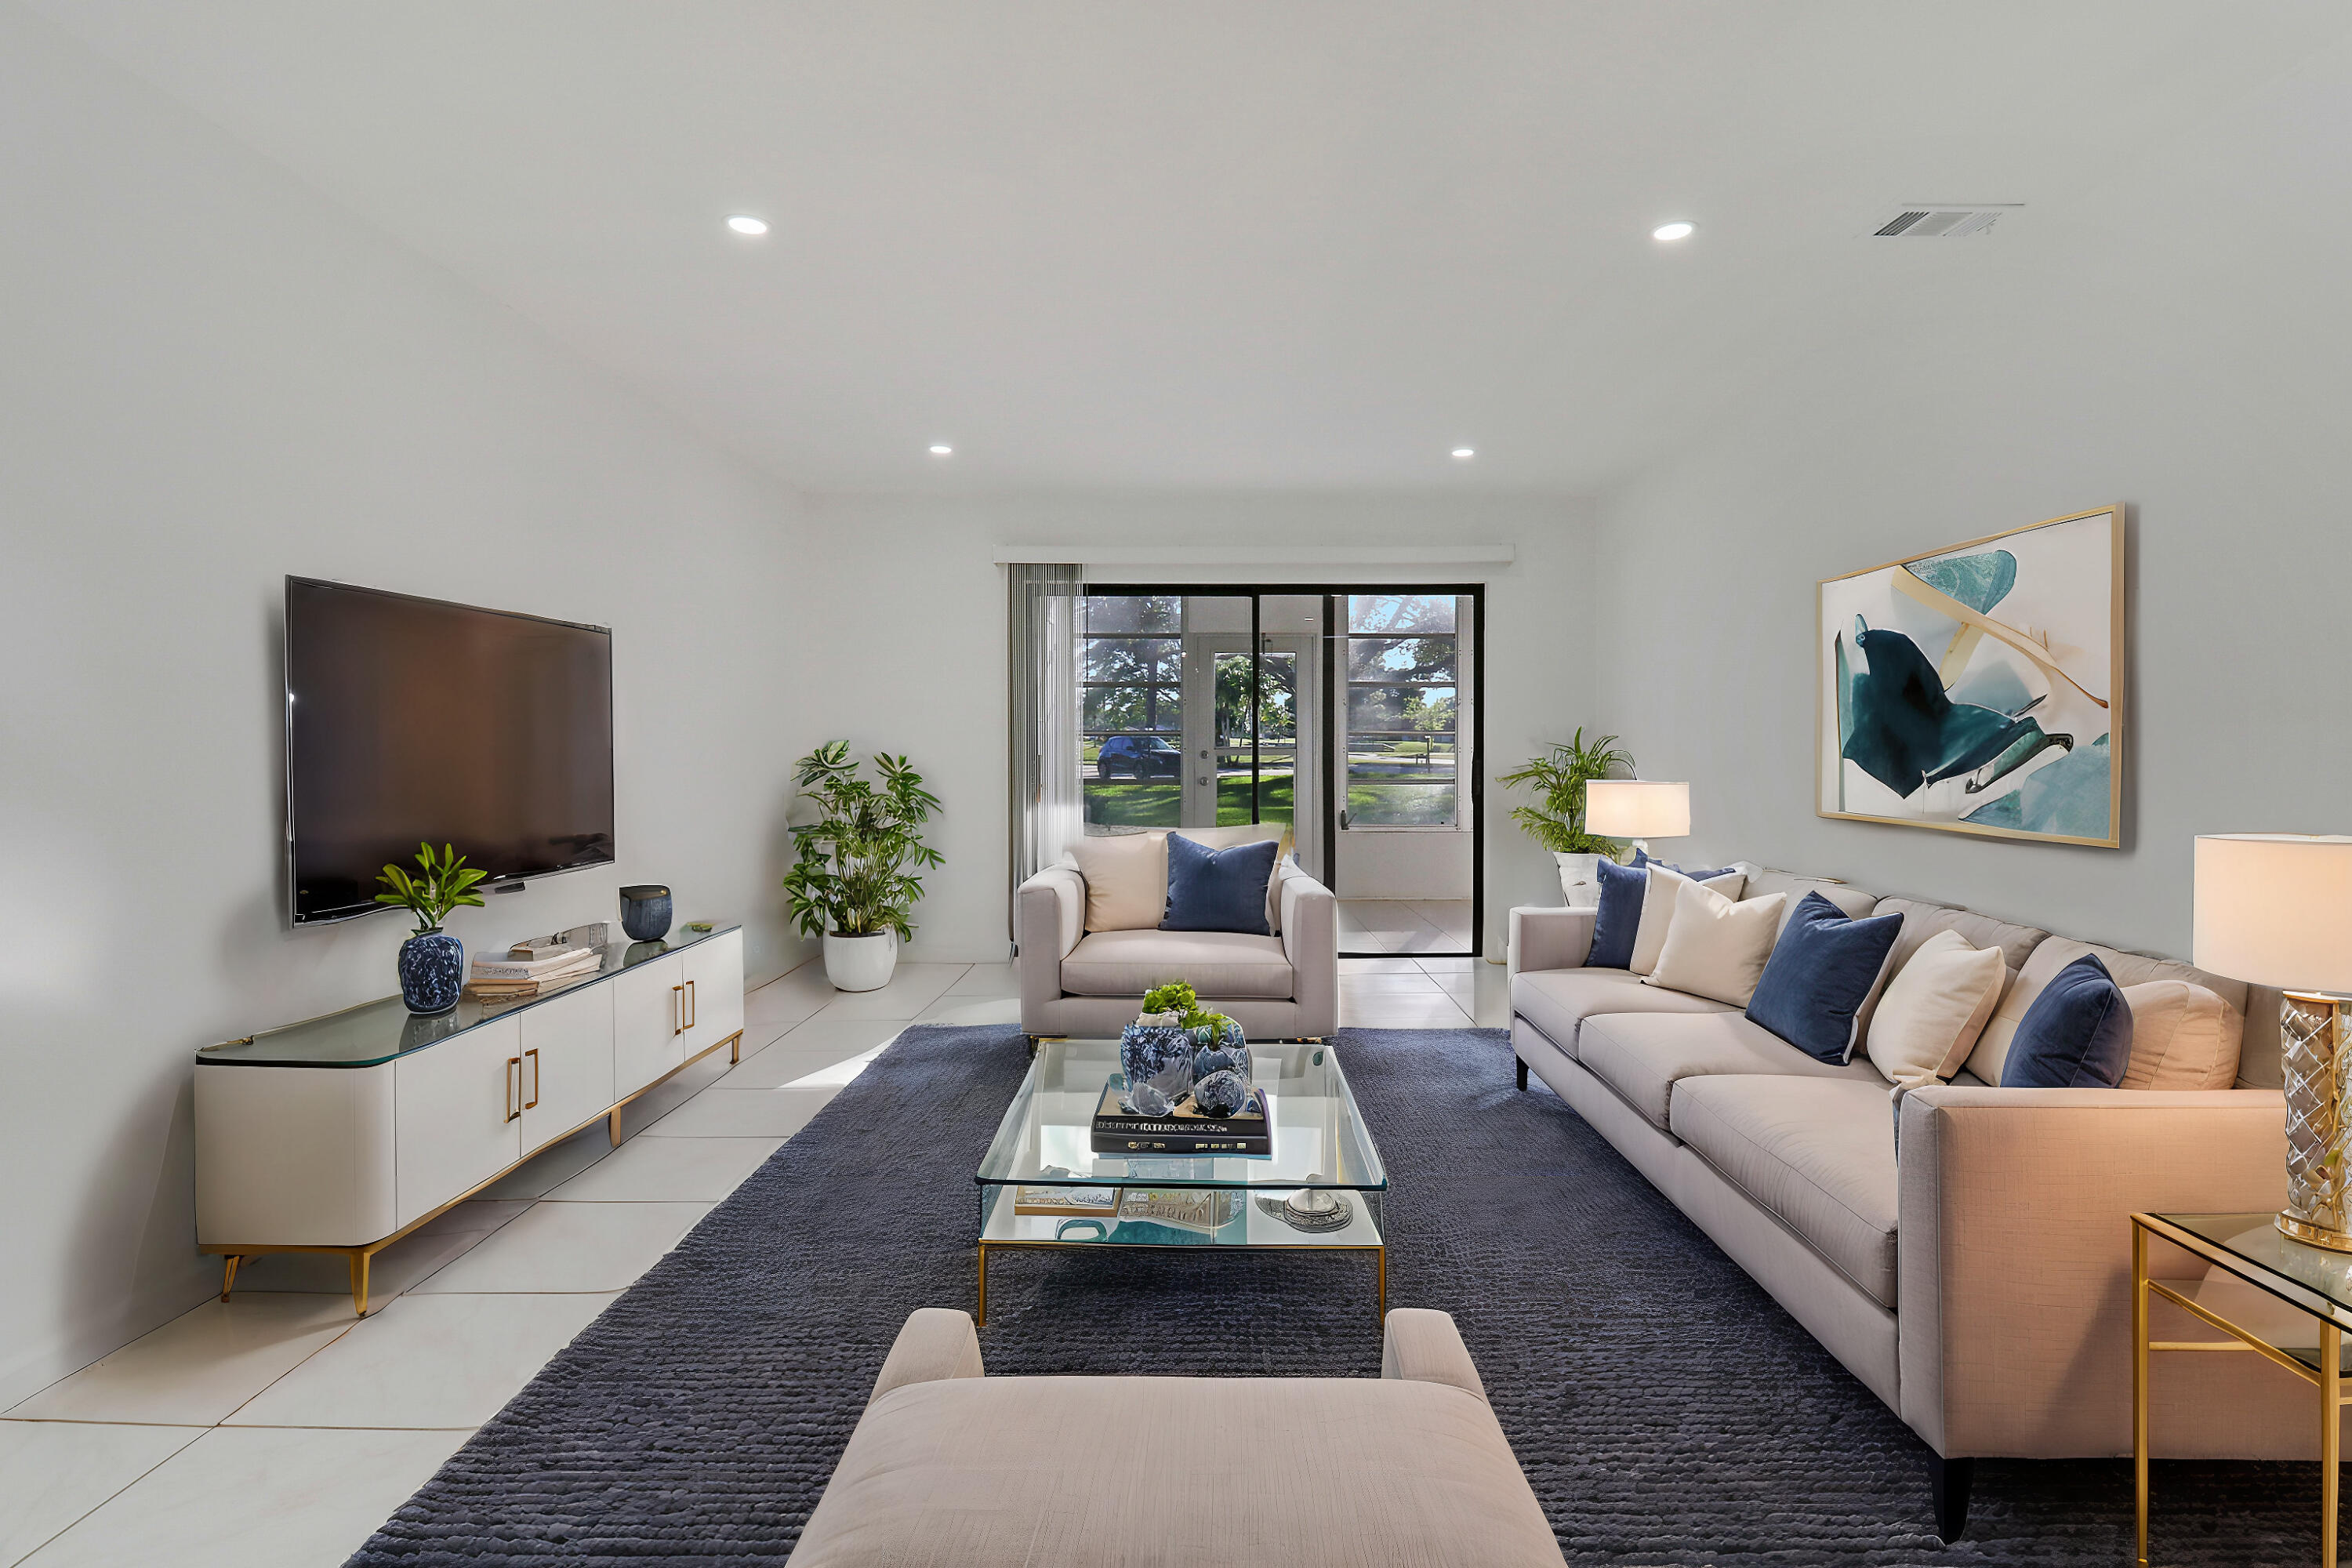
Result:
x=1047 y=812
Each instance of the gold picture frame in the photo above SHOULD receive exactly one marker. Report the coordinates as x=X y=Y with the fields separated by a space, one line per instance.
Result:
x=1950 y=709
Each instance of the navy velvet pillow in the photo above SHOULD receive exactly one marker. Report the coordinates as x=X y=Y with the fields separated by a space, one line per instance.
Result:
x=2077 y=1034
x=1218 y=889
x=1818 y=975
x=1621 y=916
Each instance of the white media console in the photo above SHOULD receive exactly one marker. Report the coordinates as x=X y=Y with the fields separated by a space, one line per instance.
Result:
x=345 y=1133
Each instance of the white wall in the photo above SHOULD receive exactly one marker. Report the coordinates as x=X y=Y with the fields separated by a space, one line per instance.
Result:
x=2175 y=339
x=908 y=646
x=213 y=377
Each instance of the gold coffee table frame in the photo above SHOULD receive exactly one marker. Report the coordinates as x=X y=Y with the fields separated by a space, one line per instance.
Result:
x=2327 y=1377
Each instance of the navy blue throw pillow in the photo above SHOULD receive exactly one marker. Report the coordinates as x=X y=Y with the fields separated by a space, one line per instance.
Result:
x=1218 y=889
x=1621 y=916
x=2077 y=1034
x=1818 y=975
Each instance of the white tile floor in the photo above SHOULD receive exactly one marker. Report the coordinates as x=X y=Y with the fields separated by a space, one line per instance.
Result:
x=277 y=1429
x=1404 y=925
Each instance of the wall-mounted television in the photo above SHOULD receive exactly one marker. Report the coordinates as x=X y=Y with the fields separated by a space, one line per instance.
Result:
x=412 y=720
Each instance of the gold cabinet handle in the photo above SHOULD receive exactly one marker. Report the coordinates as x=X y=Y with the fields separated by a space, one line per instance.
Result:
x=514 y=1087
x=532 y=1103
x=693 y=1007
x=677 y=1011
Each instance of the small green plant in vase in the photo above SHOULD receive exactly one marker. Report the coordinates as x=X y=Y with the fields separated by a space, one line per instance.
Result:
x=432 y=961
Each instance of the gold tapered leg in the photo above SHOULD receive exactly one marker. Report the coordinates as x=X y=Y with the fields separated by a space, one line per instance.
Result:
x=358 y=1283
x=2139 y=1388
x=2331 y=1429
x=735 y=1049
x=612 y=1127
x=979 y=1318
x=228 y=1276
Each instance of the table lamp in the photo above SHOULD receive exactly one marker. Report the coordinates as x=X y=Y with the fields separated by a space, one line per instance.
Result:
x=2276 y=909
x=1638 y=809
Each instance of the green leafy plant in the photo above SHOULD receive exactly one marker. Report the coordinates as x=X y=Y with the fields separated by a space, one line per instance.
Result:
x=1556 y=819
x=1173 y=997
x=1201 y=1018
x=851 y=878
x=447 y=883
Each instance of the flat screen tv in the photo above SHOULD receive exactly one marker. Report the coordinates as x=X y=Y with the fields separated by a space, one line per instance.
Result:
x=411 y=719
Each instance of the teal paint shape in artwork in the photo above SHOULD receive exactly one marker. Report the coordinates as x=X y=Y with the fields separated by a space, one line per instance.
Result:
x=1845 y=712
x=2068 y=799
x=1979 y=581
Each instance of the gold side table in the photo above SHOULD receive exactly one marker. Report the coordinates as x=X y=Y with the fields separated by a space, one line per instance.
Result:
x=2316 y=1282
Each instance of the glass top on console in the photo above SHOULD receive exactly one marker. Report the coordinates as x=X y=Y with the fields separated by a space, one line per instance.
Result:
x=376 y=1032
x=1320 y=1141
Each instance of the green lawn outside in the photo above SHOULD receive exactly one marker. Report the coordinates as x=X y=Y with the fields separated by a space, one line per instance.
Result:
x=1123 y=802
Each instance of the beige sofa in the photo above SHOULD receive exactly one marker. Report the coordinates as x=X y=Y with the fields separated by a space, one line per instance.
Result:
x=1079 y=982
x=948 y=1465
x=1981 y=1284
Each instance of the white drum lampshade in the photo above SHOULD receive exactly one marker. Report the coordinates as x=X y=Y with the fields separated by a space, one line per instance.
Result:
x=2276 y=909
x=1637 y=808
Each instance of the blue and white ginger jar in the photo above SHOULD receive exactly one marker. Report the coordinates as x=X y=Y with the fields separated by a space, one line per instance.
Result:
x=432 y=970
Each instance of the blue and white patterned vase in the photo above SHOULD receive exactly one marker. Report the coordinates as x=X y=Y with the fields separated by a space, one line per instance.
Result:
x=432 y=970
x=1228 y=1051
x=1158 y=1061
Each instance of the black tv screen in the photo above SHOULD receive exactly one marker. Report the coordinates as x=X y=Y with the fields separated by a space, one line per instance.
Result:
x=411 y=719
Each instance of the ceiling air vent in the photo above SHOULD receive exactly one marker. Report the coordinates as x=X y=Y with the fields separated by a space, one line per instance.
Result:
x=1942 y=220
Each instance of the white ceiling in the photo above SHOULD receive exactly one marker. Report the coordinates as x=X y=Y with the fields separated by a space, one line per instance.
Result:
x=1257 y=243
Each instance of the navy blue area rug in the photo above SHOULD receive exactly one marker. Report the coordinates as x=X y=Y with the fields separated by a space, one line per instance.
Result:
x=1666 y=1409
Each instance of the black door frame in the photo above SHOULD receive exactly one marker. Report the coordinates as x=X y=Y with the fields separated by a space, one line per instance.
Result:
x=1333 y=595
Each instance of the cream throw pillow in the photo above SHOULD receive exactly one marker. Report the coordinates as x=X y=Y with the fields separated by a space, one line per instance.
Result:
x=1932 y=1010
x=1126 y=879
x=1715 y=947
x=2180 y=1038
x=1658 y=910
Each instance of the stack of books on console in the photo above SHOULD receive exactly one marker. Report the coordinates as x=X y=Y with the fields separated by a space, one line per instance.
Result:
x=522 y=974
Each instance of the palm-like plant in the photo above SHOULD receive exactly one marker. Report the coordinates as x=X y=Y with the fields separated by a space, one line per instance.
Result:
x=1556 y=819
x=851 y=877
x=447 y=883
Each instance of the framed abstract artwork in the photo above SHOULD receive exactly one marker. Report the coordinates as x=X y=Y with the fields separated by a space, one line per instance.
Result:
x=1979 y=689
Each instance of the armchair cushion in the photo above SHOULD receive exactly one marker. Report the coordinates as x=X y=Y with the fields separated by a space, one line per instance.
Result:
x=1218 y=889
x=1216 y=964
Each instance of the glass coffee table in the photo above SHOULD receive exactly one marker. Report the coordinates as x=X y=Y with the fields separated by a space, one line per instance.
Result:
x=1041 y=1184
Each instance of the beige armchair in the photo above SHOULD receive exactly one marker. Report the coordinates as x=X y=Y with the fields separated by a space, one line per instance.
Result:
x=1077 y=982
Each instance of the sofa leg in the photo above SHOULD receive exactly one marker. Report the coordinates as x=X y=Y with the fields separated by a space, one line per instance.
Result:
x=1523 y=1075
x=1948 y=1484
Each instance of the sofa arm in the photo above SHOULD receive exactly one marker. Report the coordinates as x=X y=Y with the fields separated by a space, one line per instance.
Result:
x=934 y=1344
x=1425 y=1346
x=1310 y=941
x=1549 y=937
x=1049 y=916
x=2013 y=1256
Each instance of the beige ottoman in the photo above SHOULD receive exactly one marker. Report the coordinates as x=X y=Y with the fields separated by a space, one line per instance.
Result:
x=952 y=1469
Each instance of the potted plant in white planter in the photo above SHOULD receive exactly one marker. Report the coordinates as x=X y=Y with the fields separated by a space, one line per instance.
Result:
x=1556 y=820
x=851 y=884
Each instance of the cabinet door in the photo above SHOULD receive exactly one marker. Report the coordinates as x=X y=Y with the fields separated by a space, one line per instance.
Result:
x=648 y=1023
x=714 y=991
x=455 y=1117
x=567 y=1063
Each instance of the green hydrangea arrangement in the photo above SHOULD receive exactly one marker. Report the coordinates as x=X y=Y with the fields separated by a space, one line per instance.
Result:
x=1173 y=997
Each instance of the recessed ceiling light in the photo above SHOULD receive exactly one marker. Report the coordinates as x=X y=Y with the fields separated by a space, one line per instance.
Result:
x=744 y=223
x=942 y=450
x=1464 y=454
x=1676 y=230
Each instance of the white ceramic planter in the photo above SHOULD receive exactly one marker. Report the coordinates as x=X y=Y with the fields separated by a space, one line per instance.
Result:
x=860 y=963
x=1579 y=879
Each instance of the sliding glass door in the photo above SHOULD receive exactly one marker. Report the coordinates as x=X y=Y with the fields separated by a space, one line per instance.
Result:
x=1221 y=707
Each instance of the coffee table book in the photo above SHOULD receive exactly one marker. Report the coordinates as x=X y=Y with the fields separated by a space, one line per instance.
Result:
x=1184 y=1131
